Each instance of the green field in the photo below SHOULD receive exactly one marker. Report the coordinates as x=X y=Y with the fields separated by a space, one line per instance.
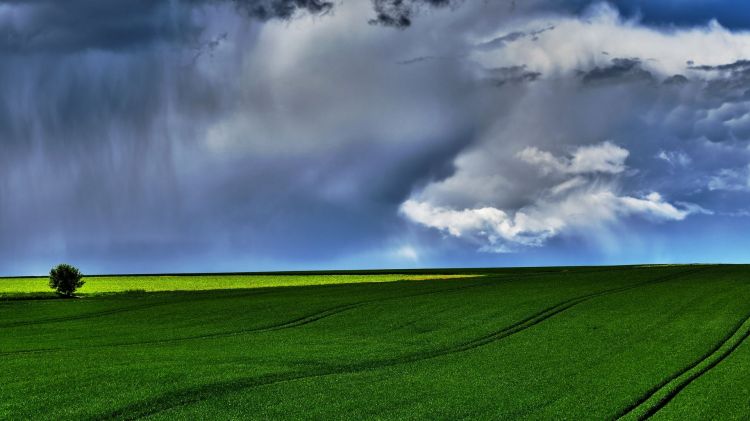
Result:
x=38 y=286
x=668 y=342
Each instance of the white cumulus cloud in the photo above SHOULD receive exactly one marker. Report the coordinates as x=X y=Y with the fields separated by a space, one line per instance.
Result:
x=605 y=157
x=533 y=225
x=579 y=205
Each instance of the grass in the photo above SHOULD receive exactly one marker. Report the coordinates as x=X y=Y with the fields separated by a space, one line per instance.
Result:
x=584 y=343
x=37 y=286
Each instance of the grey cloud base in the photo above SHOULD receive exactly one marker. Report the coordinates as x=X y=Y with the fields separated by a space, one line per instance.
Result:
x=293 y=134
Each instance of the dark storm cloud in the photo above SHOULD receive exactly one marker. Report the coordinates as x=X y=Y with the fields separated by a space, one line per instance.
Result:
x=108 y=157
x=53 y=26
x=399 y=13
x=733 y=14
x=728 y=82
x=281 y=9
x=737 y=66
x=620 y=69
x=676 y=80
x=416 y=60
x=208 y=135
x=511 y=74
x=73 y=25
x=717 y=109
x=501 y=41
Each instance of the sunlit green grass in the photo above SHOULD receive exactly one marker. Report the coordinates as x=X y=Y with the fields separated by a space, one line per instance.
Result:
x=584 y=343
x=109 y=284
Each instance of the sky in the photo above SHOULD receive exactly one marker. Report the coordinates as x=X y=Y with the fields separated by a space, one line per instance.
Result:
x=250 y=135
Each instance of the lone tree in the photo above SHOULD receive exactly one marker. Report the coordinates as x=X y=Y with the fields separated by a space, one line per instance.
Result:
x=65 y=279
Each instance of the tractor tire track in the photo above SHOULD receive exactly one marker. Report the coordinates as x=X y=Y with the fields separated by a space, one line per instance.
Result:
x=196 y=394
x=91 y=315
x=597 y=362
x=553 y=311
x=301 y=321
x=95 y=314
x=260 y=291
x=492 y=279
x=648 y=404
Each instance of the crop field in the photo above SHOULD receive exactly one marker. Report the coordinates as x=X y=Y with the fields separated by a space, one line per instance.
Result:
x=661 y=342
x=38 y=286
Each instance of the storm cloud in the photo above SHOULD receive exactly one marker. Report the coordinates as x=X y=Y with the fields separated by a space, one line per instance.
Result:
x=271 y=134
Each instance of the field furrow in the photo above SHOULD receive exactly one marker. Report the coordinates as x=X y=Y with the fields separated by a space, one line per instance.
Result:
x=192 y=395
x=300 y=321
x=660 y=395
x=560 y=343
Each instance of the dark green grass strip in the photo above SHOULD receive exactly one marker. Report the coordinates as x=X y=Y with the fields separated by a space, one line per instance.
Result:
x=552 y=311
x=285 y=325
x=125 y=309
x=95 y=314
x=301 y=321
x=660 y=395
x=248 y=292
x=260 y=291
x=9 y=298
x=198 y=393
